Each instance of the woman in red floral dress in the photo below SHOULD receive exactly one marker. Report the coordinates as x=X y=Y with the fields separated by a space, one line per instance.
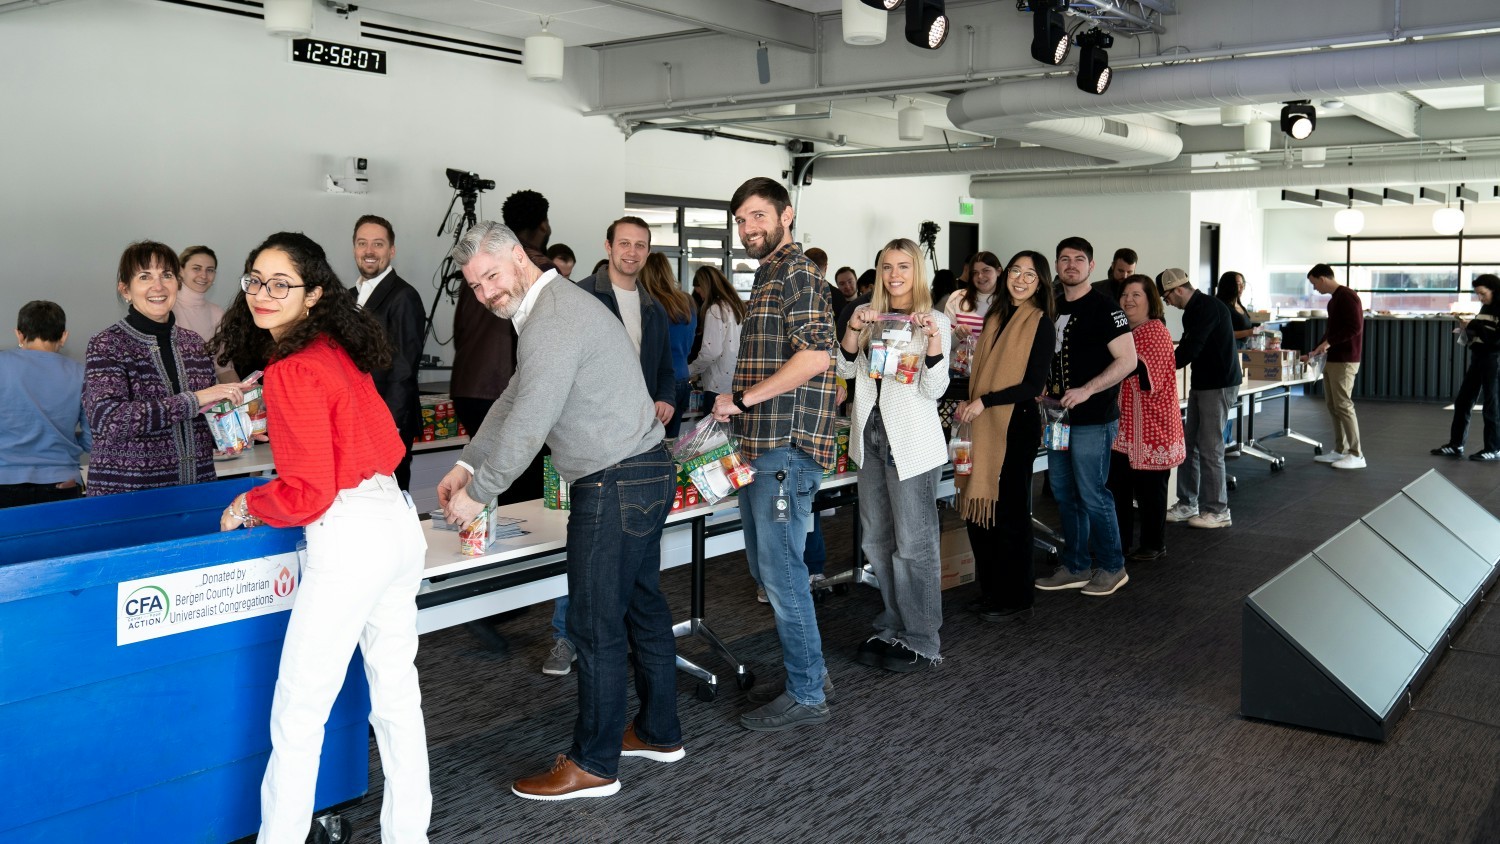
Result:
x=1150 y=441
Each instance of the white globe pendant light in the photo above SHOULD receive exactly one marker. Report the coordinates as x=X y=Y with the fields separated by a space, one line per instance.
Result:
x=1349 y=222
x=1447 y=221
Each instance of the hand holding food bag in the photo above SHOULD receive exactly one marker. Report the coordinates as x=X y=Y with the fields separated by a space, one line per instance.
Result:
x=712 y=460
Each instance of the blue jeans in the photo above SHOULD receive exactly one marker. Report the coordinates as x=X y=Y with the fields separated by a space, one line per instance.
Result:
x=560 y=618
x=614 y=569
x=682 y=388
x=1079 y=483
x=815 y=552
x=775 y=550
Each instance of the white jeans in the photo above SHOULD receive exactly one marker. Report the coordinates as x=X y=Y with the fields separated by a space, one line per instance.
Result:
x=364 y=564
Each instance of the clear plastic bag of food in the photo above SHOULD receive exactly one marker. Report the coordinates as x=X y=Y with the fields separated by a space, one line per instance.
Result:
x=961 y=450
x=235 y=426
x=711 y=459
x=897 y=347
x=1055 y=428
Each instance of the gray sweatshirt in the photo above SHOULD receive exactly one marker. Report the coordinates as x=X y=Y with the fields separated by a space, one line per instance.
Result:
x=578 y=387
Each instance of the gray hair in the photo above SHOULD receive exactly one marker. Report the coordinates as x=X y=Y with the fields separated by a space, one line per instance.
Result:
x=487 y=236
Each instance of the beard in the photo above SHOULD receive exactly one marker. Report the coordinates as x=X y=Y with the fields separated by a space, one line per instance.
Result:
x=768 y=244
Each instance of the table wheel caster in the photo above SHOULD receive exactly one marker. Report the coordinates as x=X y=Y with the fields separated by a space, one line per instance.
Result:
x=841 y=589
x=1317 y=449
x=746 y=680
x=707 y=692
x=1278 y=465
x=1229 y=483
x=332 y=829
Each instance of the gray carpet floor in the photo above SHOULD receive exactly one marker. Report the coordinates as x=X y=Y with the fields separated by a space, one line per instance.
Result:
x=1099 y=720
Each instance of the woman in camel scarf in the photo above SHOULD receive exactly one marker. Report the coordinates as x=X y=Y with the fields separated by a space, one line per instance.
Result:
x=1010 y=367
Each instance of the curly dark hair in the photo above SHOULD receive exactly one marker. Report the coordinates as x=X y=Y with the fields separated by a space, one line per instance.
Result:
x=524 y=211
x=336 y=316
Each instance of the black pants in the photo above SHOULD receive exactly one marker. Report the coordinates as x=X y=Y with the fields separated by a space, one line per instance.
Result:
x=1148 y=487
x=19 y=495
x=1003 y=554
x=1481 y=380
x=526 y=487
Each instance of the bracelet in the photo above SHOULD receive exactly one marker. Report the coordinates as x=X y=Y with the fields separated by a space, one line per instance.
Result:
x=242 y=514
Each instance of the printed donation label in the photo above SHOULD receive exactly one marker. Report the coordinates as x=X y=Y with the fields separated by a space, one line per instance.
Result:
x=191 y=600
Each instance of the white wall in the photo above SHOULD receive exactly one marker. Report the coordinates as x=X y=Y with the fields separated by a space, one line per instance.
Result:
x=131 y=119
x=1241 y=239
x=851 y=220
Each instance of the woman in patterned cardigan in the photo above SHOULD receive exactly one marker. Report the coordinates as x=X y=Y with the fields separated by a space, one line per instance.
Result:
x=1150 y=440
x=146 y=381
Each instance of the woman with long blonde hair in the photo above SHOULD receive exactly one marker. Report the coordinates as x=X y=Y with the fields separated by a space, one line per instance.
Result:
x=897 y=440
x=682 y=323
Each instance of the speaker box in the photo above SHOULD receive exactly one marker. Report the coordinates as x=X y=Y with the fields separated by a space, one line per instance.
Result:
x=1340 y=639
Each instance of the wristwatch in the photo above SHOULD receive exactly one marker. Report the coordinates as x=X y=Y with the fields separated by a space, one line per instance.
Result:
x=738 y=397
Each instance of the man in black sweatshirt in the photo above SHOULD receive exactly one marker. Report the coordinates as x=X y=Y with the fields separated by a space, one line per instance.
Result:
x=1208 y=346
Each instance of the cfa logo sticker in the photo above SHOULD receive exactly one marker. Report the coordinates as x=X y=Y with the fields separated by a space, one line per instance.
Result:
x=284 y=583
x=146 y=607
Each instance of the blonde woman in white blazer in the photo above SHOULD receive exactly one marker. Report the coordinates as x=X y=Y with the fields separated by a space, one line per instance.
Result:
x=897 y=440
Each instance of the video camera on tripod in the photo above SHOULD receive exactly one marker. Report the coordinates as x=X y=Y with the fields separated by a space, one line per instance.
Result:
x=927 y=236
x=468 y=183
x=449 y=281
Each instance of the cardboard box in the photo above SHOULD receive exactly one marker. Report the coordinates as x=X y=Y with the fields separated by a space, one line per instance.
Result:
x=958 y=559
x=1267 y=359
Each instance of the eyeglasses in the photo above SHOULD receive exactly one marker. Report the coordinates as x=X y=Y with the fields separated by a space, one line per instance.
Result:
x=277 y=288
x=1024 y=275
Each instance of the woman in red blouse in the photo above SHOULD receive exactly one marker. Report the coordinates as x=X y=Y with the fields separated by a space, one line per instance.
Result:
x=1150 y=440
x=336 y=447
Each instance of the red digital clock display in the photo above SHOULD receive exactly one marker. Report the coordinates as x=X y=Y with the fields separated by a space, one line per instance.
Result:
x=329 y=54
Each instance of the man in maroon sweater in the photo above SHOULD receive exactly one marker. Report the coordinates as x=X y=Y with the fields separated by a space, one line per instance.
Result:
x=1343 y=341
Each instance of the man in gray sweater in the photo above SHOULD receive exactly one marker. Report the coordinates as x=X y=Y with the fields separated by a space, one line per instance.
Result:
x=579 y=389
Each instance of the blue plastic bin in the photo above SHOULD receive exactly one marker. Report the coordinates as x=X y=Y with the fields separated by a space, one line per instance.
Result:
x=163 y=740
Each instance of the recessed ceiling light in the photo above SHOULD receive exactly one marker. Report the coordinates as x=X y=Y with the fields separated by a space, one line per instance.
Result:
x=1333 y=105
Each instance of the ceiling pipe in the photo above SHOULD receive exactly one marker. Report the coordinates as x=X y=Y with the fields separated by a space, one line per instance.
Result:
x=1010 y=159
x=1248 y=81
x=1408 y=173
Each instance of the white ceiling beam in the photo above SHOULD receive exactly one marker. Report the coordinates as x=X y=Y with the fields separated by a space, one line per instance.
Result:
x=755 y=20
x=1394 y=113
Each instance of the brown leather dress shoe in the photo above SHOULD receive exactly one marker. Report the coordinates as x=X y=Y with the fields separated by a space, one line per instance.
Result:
x=564 y=782
x=632 y=745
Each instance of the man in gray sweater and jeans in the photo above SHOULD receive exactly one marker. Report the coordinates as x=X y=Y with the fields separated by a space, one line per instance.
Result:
x=578 y=387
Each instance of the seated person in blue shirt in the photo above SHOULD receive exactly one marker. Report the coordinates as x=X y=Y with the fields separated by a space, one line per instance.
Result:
x=41 y=412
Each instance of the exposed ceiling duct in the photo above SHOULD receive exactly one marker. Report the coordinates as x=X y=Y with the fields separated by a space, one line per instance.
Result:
x=1441 y=63
x=1010 y=159
x=1398 y=173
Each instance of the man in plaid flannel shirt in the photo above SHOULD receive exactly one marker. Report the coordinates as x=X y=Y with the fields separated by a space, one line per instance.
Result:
x=783 y=414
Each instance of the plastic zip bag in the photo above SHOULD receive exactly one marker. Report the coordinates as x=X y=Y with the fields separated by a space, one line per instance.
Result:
x=961 y=450
x=1055 y=427
x=896 y=348
x=711 y=460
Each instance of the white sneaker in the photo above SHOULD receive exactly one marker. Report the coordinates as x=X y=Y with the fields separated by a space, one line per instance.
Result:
x=1350 y=461
x=1211 y=520
x=760 y=595
x=1181 y=512
x=1330 y=457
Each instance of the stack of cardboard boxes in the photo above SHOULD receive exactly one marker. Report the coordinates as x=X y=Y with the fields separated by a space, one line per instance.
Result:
x=1270 y=365
x=438 y=421
x=554 y=489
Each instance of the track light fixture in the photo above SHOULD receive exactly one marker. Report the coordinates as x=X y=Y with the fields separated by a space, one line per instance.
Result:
x=1093 y=63
x=1299 y=119
x=1049 y=33
x=927 y=23
x=883 y=5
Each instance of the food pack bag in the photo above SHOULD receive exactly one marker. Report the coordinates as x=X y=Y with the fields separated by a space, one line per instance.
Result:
x=1055 y=428
x=961 y=450
x=234 y=426
x=711 y=459
x=897 y=348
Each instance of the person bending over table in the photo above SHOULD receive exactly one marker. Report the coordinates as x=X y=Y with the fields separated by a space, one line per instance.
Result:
x=337 y=448
x=578 y=388
x=897 y=440
x=146 y=382
x=1482 y=379
x=1150 y=441
x=1011 y=359
x=41 y=411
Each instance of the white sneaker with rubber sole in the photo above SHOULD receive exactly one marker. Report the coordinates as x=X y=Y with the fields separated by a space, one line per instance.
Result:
x=1330 y=457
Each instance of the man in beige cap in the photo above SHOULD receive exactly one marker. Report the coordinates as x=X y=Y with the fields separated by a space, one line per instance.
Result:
x=1208 y=345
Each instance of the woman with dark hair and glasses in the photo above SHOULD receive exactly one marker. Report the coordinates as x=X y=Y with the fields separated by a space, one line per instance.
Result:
x=336 y=450
x=1482 y=379
x=1011 y=359
x=146 y=382
x=1150 y=440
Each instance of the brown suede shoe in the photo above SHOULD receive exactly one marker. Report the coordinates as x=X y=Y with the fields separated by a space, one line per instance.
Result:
x=564 y=782
x=633 y=746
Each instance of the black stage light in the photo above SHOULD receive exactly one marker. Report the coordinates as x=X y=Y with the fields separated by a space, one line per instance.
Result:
x=883 y=5
x=1094 y=74
x=1299 y=119
x=1049 y=33
x=926 y=24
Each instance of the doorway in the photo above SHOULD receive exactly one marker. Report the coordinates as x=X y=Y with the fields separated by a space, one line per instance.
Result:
x=1208 y=257
x=963 y=241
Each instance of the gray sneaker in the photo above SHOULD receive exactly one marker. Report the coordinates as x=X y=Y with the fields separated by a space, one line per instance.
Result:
x=1061 y=578
x=560 y=660
x=1181 y=512
x=1105 y=582
x=784 y=713
x=761 y=695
